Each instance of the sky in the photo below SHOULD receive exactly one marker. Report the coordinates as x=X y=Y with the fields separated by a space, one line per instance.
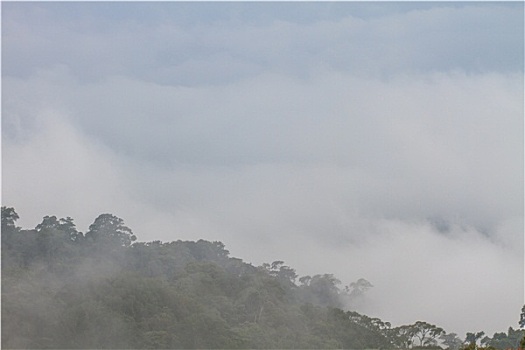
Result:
x=369 y=140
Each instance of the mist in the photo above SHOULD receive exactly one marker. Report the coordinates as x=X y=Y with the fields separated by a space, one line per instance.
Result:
x=340 y=144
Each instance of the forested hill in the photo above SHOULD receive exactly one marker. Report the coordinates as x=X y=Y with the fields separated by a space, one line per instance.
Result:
x=65 y=289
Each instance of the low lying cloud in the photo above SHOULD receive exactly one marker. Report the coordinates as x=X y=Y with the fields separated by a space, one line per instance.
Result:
x=430 y=146
x=322 y=142
x=430 y=225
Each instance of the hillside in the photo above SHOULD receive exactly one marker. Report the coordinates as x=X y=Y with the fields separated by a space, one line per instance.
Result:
x=102 y=289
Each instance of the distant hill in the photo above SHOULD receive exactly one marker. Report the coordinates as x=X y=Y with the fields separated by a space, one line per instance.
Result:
x=64 y=289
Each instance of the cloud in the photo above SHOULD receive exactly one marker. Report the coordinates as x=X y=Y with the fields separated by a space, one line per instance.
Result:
x=379 y=144
x=445 y=145
x=245 y=40
x=419 y=274
x=337 y=174
x=58 y=171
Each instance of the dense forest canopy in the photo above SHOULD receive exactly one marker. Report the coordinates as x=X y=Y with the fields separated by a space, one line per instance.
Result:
x=62 y=288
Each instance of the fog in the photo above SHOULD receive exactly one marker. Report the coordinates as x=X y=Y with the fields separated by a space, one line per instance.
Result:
x=363 y=142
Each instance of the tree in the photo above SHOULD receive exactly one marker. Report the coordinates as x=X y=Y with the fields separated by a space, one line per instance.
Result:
x=426 y=333
x=68 y=226
x=48 y=223
x=498 y=341
x=110 y=229
x=472 y=338
x=451 y=341
x=104 y=292
x=402 y=336
x=57 y=242
x=9 y=217
x=282 y=272
x=515 y=336
x=358 y=288
x=323 y=290
x=211 y=251
x=305 y=280
x=502 y=340
x=485 y=341
x=374 y=324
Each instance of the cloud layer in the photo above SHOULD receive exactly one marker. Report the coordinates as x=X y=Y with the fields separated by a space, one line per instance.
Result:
x=379 y=142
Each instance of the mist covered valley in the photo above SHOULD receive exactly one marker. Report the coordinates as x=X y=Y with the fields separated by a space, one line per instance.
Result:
x=62 y=288
x=295 y=174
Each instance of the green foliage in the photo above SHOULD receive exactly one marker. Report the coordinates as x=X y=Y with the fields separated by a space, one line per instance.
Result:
x=451 y=341
x=502 y=340
x=9 y=217
x=472 y=338
x=65 y=290
x=9 y=229
x=499 y=341
x=426 y=333
x=320 y=290
x=110 y=230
